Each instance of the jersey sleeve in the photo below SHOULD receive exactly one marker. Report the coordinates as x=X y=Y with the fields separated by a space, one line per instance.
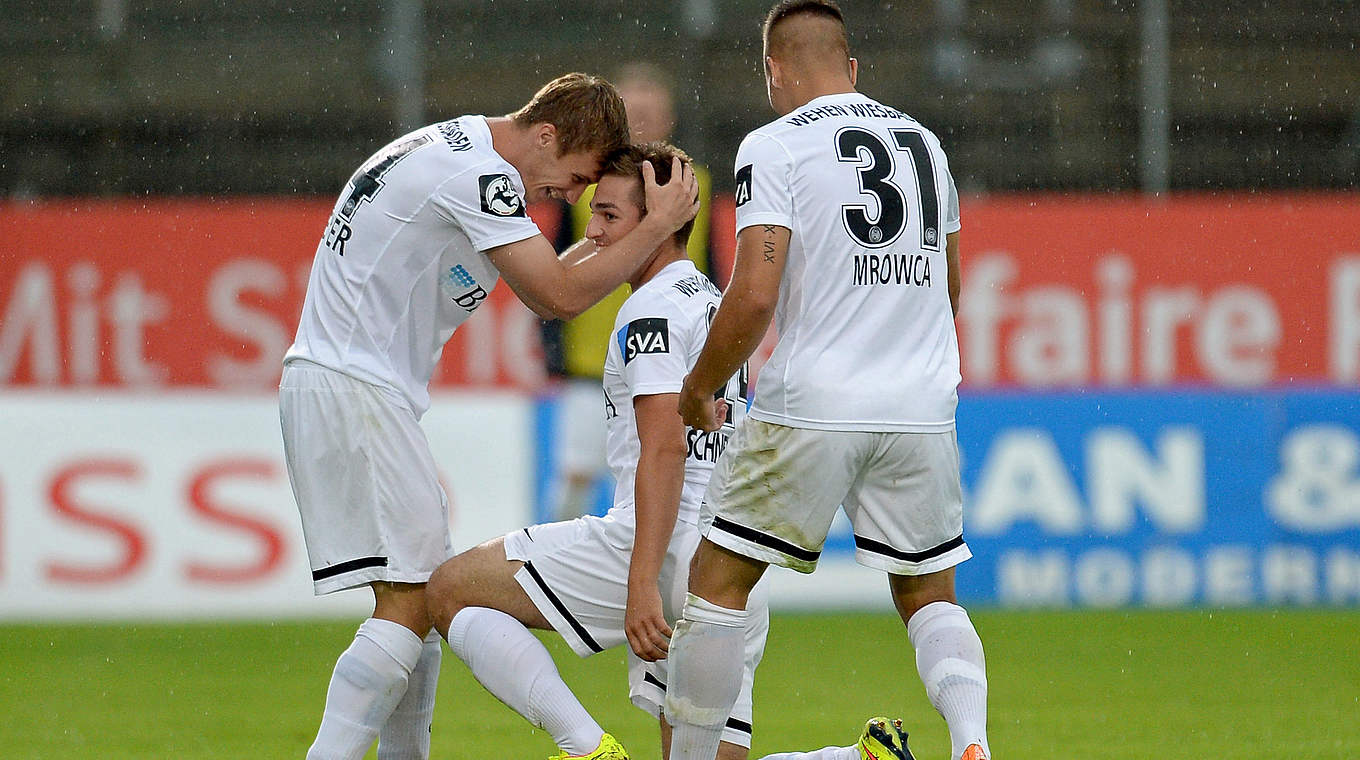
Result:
x=951 y=214
x=763 y=194
x=652 y=349
x=488 y=205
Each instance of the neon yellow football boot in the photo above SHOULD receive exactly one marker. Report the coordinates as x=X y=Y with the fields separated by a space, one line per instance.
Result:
x=609 y=749
x=878 y=743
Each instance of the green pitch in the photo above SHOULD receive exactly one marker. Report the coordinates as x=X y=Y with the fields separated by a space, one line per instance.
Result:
x=1135 y=685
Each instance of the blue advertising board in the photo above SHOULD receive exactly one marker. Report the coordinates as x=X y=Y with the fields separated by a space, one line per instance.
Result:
x=1162 y=498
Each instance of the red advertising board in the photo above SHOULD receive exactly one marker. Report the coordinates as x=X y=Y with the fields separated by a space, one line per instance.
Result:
x=196 y=293
x=1238 y=291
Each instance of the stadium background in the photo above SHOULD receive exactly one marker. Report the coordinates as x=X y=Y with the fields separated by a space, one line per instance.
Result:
x=1160 y=327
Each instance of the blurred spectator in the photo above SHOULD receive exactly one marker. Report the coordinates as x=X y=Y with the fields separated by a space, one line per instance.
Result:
x=574 y=351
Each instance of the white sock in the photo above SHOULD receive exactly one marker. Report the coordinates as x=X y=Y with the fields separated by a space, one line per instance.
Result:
x=707 y=654
x=949 y=659
x=406 y=734
x=825 y=753
x=515 y=666
x=369 y=680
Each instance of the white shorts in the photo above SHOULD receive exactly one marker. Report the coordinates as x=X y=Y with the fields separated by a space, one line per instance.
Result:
x=364 y=480
x=775 y=491
x=576 y=573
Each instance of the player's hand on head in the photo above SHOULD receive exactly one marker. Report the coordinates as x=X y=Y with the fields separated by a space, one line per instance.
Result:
x=675 y=202
x=690 y=183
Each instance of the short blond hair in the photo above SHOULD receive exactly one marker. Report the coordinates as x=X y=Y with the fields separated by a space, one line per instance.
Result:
x=586 y=110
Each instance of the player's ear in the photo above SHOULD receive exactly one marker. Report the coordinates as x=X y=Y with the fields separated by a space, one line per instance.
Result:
x=854 y=71
x=545 y=135
x=773 y=72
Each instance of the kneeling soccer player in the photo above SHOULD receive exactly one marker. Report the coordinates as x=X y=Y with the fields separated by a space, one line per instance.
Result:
x=601 y=581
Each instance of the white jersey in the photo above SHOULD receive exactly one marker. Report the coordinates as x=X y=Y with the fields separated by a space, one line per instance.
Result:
x=401 y=263
x=657 y=337
x=866 y=332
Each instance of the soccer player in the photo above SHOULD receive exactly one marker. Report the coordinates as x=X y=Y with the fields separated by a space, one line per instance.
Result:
x=603 y=581
x=574 y=351
x=416 y=241
x=848 y=224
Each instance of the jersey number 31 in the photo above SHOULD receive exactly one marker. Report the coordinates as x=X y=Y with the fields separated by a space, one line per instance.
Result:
x=877 y=170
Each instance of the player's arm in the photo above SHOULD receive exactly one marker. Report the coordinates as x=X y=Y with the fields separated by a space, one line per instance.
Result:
x=565 y=287
x=578 y=251
x=742 y=319
x=657 y=488
x=951 y=258
x=570 y=257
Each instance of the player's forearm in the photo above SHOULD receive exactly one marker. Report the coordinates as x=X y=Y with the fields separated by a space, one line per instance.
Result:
x=591 y=275
x=747 y=306
x=540 y=309
x=577 y=251
x=737 y=330
x=660 y=479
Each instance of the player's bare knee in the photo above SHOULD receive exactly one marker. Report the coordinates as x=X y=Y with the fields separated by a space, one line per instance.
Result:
x=476 y=578
x=722 y=576
x=441 y=600
x=451 y=589
x=402 y=603
x=912 y=592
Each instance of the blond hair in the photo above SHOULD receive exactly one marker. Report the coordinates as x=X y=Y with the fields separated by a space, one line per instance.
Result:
x=586 y=110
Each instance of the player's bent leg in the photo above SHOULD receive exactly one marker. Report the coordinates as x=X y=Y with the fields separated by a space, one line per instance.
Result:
x=479 y=577
x=949 y=657
x=512 y=664
x=483 y=612
x=730 y=751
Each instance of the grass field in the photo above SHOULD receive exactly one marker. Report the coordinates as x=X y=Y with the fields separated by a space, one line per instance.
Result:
x=1235 y=684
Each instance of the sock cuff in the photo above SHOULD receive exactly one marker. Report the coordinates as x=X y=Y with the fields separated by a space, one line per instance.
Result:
x=399 y=642
x=459 y=626
x=933 y=615
x=700 y=610
x=433 y=637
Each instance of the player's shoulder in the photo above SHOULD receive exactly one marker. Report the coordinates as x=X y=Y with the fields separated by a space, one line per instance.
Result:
x=466 y=137
x=771 y=135
x=469 y=167
x=679 y=293
x=466 y=148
